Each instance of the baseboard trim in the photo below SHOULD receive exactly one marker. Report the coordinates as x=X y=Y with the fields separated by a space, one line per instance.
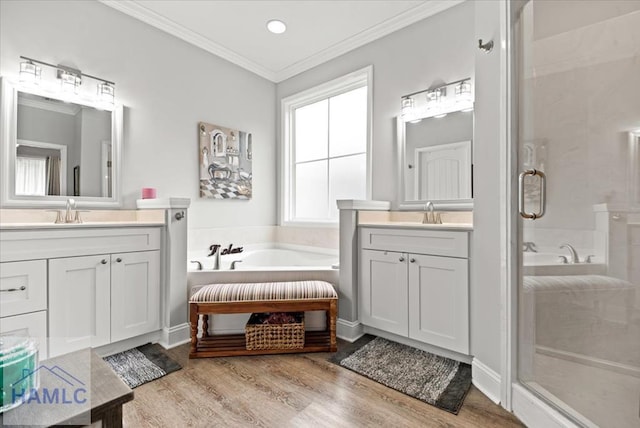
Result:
x=126 y=344
x=175 y=336
x=486 y=380
x=349 y=330
x=533 y=412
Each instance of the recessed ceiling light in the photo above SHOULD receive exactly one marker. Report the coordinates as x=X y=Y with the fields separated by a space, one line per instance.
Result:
x=276 y=26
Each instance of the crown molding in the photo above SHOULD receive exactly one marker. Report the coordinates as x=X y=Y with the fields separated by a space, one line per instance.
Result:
x=408 y=17
x=387 y=27
x=154 y=19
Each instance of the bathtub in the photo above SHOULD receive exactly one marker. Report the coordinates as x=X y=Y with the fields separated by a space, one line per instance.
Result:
x=264 y=264
x=548 y=263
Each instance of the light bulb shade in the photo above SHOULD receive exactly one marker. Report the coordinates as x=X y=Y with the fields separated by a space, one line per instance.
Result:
x=106 y=93
x=30 y=72
x=69 y=82
x=407 y=105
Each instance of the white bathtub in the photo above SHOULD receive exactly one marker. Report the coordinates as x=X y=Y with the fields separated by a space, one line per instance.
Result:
x=547 y=263
x=264 y=265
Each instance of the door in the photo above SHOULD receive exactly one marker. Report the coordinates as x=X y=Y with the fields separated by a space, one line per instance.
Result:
x=443 y=171
x=578 y=86
x=135 y=294
x=439 y=301
x=79 y=301
x=383 y=291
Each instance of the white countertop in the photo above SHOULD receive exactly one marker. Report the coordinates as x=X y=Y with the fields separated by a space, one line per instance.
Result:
x=414 y=225
x=85 y=225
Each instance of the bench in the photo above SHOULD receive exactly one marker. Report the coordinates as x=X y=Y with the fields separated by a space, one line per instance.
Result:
x=297 y=296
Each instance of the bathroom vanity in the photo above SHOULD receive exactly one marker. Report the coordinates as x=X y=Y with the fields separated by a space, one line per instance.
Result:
x=81 y=285
x=414 y=282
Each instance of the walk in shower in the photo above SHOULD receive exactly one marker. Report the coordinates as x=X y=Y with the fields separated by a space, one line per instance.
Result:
x=576 y=82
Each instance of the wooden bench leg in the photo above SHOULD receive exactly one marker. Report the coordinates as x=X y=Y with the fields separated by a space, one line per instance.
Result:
x=333 y=314
x=205 y=325
x=193 y=319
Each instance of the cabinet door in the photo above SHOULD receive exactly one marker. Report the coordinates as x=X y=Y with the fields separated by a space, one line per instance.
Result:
x=135 y=294
x=383 y=291
x=79 y=303
x=439 y=301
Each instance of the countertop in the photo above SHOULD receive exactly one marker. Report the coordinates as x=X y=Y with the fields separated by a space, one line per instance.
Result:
x=414 y=225
x=84 y=225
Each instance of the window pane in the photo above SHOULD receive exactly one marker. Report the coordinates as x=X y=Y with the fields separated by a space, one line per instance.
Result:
x=348 y=123
x=311 y=190
x=311 y=123
x=347 y=180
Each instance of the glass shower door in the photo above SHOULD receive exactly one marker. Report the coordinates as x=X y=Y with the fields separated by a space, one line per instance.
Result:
x=578 y=90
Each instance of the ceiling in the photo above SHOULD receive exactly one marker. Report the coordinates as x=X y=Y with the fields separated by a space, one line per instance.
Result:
x=317 y=30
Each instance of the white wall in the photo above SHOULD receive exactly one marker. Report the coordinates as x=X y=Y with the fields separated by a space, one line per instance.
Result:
x=167 y=85
x=486 y=263
x=436 y=50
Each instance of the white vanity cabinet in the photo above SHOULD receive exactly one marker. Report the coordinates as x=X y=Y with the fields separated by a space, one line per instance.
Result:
x=103 y=284
x=80 y=287
x=415 y=283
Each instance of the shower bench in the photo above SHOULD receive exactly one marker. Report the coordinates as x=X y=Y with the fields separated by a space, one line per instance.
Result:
x=296 y=296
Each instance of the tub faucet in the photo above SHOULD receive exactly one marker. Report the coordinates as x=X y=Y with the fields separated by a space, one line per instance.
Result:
x=572 y=251
x=199 y=264
x=233 y=264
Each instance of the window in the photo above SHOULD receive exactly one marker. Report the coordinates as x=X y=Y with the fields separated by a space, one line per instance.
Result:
x=325 y=148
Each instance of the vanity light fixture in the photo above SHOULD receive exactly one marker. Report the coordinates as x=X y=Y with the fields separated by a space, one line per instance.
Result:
x=276 y=26
x=438 y=102
x=30 y=72
x=70 y=79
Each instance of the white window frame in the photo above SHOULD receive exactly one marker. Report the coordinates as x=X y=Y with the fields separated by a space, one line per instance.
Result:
x=346 y=83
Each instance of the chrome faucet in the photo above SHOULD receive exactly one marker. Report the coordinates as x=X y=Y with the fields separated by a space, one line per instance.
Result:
x=69 y=216
x=429 y=216
x=198 y=263
x=529 y=247
x=572 y=251
x=233 y=264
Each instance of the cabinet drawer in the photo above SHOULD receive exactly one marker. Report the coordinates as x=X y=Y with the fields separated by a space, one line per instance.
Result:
x=432 y=242
x=33 y=325
x=23 y=287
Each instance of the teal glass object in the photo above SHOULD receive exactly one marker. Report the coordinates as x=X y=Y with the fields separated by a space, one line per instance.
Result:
x=18 y=375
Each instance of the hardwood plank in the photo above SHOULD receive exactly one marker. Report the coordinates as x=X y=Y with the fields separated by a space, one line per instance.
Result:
x=296 y=390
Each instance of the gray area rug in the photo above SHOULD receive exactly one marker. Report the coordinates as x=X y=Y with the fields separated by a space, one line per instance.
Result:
x=439 y=381
x=142 y=364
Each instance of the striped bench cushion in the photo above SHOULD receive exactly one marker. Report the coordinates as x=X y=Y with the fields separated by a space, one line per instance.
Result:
x=248 y=292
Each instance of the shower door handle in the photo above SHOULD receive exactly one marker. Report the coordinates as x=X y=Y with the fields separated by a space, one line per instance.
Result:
x=543 y=194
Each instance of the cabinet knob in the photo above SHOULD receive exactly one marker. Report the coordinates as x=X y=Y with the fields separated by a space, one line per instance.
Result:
x=103 y=261
x=401 y=259
x=412 y=260
x=118 y=260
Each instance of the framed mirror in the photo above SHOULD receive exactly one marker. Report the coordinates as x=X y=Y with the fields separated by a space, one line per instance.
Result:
x=435 y=162
x=53 y=150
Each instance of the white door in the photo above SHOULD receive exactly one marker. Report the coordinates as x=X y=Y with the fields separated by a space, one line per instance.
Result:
x=444 y=171
x=135 y=294
x=439 y=301
x=79 y=294
x=383 y=291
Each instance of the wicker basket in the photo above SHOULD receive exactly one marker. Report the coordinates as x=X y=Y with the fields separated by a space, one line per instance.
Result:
x=274 y=336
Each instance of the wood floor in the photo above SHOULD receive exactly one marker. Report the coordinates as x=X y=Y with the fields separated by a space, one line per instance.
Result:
x=297 y=390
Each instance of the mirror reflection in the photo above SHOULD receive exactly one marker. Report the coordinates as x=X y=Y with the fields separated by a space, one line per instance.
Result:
x=62 y=149
x=437 y=154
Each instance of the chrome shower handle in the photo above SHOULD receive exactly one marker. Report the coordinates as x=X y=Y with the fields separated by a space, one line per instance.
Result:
x=543 y=194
